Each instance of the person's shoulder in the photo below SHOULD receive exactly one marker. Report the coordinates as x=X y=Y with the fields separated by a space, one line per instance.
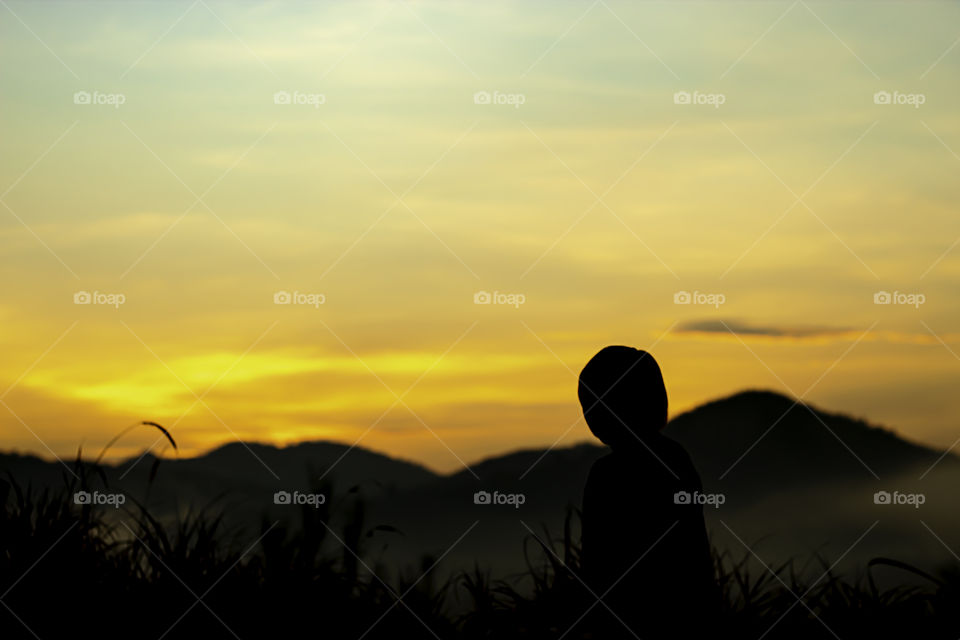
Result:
x=602 y=465
x=678 y=456
x=673 y=448
x=601 y=475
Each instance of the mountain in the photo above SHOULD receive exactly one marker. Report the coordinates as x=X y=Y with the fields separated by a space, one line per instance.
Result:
x=236 y=468
x=796 y=481
x=764 y=435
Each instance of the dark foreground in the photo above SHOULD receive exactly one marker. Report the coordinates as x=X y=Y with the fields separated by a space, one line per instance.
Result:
x=69 y=570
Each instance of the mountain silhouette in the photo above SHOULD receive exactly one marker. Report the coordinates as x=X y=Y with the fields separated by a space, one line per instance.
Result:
x=803 y=476
x=762 y=435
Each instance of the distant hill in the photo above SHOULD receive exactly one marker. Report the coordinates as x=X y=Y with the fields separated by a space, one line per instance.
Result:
x=804 y=476
x=237 y=468
x=764 y=435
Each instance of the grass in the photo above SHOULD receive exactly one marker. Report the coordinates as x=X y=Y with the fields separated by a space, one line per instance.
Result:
x=68 y=570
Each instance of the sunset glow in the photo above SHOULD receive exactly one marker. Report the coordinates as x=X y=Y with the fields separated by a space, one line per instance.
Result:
x=303 y=206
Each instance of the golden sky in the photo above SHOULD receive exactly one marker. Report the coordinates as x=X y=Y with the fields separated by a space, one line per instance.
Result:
x=348 y=153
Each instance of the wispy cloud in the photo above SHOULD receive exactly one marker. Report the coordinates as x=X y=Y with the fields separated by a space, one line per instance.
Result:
x=739 y=327
x=723 y=328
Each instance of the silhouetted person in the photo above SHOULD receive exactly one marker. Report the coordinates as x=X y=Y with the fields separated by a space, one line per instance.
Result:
x=645 y=552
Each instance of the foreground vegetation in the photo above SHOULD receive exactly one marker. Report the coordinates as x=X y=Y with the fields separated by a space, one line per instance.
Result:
x=68 y=569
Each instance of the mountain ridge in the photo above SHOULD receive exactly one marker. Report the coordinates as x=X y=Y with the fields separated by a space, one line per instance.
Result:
x=804 y=475
x=743 y=401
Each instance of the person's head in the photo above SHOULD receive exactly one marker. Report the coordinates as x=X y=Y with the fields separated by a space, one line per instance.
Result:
x=623 y=396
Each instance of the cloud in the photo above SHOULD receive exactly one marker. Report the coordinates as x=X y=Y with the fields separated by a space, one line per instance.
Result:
x=768 y=331
x=724 y=328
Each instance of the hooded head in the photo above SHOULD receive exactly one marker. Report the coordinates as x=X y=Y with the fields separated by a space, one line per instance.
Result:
x=623 y=396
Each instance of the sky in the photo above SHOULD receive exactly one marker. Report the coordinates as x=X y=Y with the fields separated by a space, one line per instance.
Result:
x=407 y=226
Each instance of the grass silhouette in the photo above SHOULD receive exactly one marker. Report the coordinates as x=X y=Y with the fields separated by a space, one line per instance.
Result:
x=67 y=569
